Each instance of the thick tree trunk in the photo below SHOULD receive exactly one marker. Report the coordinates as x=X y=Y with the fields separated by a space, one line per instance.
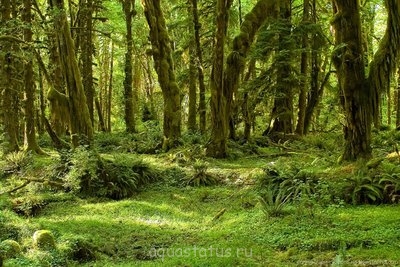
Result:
x=87 y=55
x=283 y=102
x=7 y=87
x=200 y=73
x=162 y=55
x=130 y=12
x=349 y=63
x=219 y=118
x=80 y=124
x=398 y=100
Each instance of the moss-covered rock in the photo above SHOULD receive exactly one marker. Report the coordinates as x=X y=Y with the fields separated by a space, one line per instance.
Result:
x=44 y=239
x=9 y=249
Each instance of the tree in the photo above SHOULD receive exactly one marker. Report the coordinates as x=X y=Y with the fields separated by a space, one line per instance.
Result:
x=162 y=56
x=130 y=12
x=199 y=60
x=8 y=87
x=81 y=128
x=30 y=131
x=219 y=98
x=360 y=95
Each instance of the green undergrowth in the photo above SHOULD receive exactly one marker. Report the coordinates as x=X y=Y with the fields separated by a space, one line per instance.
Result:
x=289 y=203
x=176 y=227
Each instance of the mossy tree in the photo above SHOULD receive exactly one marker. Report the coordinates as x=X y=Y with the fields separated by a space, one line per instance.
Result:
x=360 y=94
x=164 y=66
x=130 y=12
x=80 y=124
x=9 y=89
x=30 y=130
x=219 y=96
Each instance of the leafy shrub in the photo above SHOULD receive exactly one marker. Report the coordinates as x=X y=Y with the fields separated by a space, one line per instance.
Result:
x=363 y=189
x=29 y=205
x=90 y=175
x=273 y=201
x=201 y=177
x=16 y=161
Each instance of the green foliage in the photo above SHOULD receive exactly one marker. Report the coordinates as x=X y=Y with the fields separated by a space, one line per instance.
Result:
x=16 y=161
x=274 y=200
x=44 y=240
x=201 y=177
x=9 y=249
x=29 y=205
x=363 y=189
x=88 y=174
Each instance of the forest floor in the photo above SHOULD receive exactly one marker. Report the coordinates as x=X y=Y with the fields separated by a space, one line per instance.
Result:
x=170 y=224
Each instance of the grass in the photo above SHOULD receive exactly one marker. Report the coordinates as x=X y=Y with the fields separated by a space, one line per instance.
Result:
x=174 y=227
x=170 y=224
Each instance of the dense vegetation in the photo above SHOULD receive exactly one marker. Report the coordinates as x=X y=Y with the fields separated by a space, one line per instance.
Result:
x=199 y=133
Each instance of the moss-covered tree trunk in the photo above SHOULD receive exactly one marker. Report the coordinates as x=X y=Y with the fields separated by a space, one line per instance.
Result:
x=30 y=131
x=199 y=64
x=162 y=55
x=349 y=63
x=398 y=100
x=81 y=129
x=86 y=42
x=7 y=85
x=283 y=101
x=130 y=12
x=237 y=58
x=219 y=118
x=303 y=71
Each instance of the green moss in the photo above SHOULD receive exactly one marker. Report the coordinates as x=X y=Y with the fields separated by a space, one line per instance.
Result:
x=44 y=240
x=9 y=249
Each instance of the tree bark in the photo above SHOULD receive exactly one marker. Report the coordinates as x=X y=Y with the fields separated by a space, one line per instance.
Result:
x=283 y=101
x=30 y=131
x=348 y=59
x=304 y=71
x=87 y=55
x=7 y=86
x=200 y=73
x=130 y=12
x=219 y=118
x=80 y=124
x=162 y=55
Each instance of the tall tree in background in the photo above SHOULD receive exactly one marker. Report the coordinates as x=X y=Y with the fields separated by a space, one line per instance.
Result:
x=130 y=12
x=236 y=60
x=30 y=131
x=199 y=64
x=162 y=55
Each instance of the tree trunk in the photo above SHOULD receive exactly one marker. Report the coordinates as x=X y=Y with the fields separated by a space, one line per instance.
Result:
x=7 y=86
x=304 y=71
x=80 y=124
x=192 y=89
x=349 y=63
x=200 y=73
x=219 y=118
x=283 y=102
x=30 y=131
x=162 y=55
x=398 y=100
x=87 y=55
x=130 y=12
